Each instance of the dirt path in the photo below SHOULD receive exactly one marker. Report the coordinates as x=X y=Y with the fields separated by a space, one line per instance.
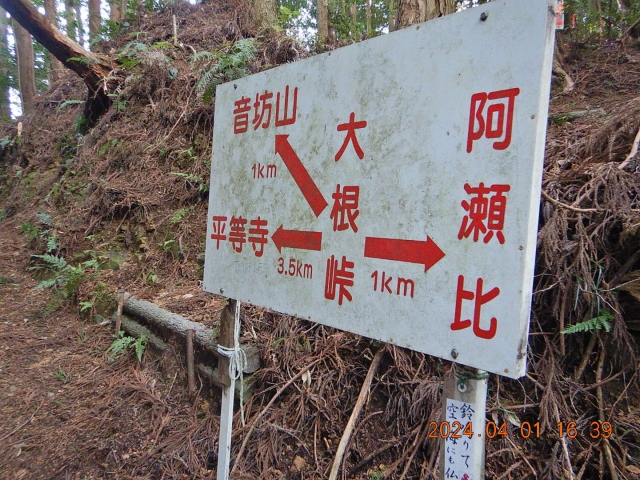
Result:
x=66 y=410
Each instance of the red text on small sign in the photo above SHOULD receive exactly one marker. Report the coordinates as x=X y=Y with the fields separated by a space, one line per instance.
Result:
x=219 y=225
x=295 y=268
x=338 y=279
x=351 y=127
x=285 y=111
x=237 y=233
x=383 y=282
x=485 y=212
x=345 y=208
x=480 y=300
x=264 y=171
x=491 y=116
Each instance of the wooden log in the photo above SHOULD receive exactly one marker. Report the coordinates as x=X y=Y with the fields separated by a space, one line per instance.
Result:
x=136 y=330
x=178 y=325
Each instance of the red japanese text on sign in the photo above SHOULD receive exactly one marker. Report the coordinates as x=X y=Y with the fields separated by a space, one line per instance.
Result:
x=286 y=118
x=237 y=233
x=259 y=235
x=480 y=300
x=338 y=278
x=286 y=110
x=219 y=224
x=491 y=115
x=241 y=115
x=351 y=128
x=485 y=214
x=262 y=110
x=345 y=208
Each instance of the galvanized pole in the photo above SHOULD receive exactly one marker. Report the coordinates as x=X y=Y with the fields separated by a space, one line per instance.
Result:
x=229 y=337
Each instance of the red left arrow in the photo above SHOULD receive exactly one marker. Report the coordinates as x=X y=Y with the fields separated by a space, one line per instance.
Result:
x=300 y=175
x=426 y=252
x=297 y=239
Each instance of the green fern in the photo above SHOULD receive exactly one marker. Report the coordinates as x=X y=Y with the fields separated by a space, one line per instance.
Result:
x=228 y=66
x=68 y=103
x=180 y=214
x=45 y=218
x=124 y=342
x=52 y=243
x=83 y=60
x=139 y=346
x=596 y=323
x=53 y=262
x=120 y=345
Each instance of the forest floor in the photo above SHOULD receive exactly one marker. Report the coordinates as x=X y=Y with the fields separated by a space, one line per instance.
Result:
x=128 y=195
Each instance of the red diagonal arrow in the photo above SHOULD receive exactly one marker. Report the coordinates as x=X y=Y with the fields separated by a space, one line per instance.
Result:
x=297 y=239
x=300 y=175
x=411 y=251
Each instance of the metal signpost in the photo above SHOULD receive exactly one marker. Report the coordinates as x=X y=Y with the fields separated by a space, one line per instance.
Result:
x=391 y=188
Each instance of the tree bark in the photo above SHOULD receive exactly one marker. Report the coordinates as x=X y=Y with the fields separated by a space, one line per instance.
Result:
x=26 y=70
x=70 y=19
x=323 y=22
x=95 y=22
x=5 y=102
x=417 y=11
x=94 y=69
x=178 y=325
x=118 y=10
x=79 y=24
x=55 y=67
x=265 y=13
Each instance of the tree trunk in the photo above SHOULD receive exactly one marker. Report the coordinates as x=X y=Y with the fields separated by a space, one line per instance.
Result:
x=26 y=70
x=55 y=67
x=368 y=18
x=392 y=7
x=115 y=11
x=94 y=69
x=5 y=102
x=323 y=22
x=417 y=11
x=70 y=19
x=79 y=23
x=265 y=13
x=95 y=22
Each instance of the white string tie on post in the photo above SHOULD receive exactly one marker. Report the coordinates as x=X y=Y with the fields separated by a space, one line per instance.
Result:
x=237 y=363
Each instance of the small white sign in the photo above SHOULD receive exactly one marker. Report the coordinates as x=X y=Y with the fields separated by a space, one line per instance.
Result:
x=391 y=188
x=460 y=445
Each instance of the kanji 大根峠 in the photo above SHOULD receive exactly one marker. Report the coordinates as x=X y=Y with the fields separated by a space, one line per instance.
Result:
x=241 y=115
x=485 y=214
x=262 y=110
x=480 y=299
x=495 y=121
x=219 y=224
x=237 y=233
x=350 y=128
x=337 y=279
x=345 y=208
x=259 y=235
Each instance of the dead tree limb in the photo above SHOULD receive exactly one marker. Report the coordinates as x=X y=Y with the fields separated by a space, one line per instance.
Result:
x=96 y=70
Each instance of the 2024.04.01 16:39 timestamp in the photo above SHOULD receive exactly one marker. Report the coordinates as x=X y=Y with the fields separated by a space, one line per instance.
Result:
x=456 y=430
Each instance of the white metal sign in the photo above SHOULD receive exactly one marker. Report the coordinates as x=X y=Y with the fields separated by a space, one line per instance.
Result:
x=391 y=188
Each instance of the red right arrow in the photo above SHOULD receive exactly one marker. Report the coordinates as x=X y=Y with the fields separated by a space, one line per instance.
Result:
x=300 y=175
x=297 y=239
x=411 y=251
